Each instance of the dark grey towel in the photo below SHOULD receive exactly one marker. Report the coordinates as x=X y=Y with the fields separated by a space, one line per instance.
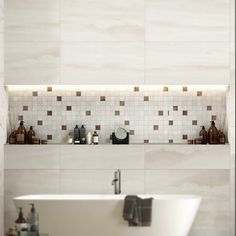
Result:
x=137 y=211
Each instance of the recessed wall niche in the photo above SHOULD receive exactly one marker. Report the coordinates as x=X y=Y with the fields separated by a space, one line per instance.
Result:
x=152 y=114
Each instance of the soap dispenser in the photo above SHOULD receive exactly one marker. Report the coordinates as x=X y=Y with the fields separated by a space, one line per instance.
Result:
x=82 y=135
x=76 y=135
x=33 y=220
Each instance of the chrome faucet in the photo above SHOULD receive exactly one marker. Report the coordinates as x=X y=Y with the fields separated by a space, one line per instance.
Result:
x=117 y=182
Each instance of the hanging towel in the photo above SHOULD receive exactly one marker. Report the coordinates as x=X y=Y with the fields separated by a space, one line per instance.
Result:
x=137 y=211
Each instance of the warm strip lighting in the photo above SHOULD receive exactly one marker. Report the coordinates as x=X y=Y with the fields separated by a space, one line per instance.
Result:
x=118 y=87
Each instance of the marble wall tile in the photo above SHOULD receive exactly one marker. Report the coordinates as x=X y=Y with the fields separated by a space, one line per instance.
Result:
x=187 y=157
x=35 y=158
x=29 y=20
x=107 y=63
x=23 y=182
x=188 y=62
x=102 y=20
x=213 y=186
x=185 y=20
x=29 y=63
x=110 y=157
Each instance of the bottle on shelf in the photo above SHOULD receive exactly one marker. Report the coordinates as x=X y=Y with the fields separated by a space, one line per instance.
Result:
x=21 y=134
x=31 y=135
x=33 y=220
x=213 y=134
x=20 y=221
x=203 y=135
x=82 y=132
x=76 y=135
x=89 y=138
x=222 y=138
x=12 y=137
x=95 y=138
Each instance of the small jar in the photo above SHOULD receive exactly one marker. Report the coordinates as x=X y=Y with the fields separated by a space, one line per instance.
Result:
x=70 y=138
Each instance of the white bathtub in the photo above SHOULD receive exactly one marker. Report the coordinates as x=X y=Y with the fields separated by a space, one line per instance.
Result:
x=101 y=215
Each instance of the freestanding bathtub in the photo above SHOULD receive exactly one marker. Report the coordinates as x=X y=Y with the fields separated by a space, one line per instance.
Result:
x=101 y=215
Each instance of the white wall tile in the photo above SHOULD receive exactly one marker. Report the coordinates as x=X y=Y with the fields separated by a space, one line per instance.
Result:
x=187 y=20
x=102 y=157
x=102 y=63
x=32 y=63
x=30 y=20
x=102 y=20
x=187 y=157
x=35 y=158
x=187 y=63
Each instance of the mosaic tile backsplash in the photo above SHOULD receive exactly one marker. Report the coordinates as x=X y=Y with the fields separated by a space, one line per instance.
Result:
x=152 y=114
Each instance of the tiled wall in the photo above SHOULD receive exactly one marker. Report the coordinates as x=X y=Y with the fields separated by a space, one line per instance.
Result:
x=151 y=114
x=124 y=42
x=2 y=117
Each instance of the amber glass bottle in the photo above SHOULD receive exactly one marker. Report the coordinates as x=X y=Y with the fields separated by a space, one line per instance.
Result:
x=222 y=138
x=31 y=134
x=213 y=134
x=21 y=134
x=20 y=221
x=203 y=135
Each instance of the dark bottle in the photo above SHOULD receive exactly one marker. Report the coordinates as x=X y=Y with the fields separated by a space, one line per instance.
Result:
x=21 y=134
x=12 y=138
x=95 y=138
x=203 y=135
x=222 y=139
x=31 y=134
x=82 y=132
x=20 y=221
x=76 y=135
x=213 y=135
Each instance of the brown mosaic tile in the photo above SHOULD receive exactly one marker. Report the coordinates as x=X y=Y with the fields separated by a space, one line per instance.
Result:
x=185 y=113
x=97 y=127
x=49 y=137
x=199 y=93
x=59 y=98
x=25 y=108
x=160 y=113
x=20 y=117
x=136 y=89
x=184 y=88
x=88 y=113
x=117 y=113
x=171 y=122
x=185 y=136
x=209 y=108
x=63 y=127
x=165 y=89
x=49 y=89
x=69 y=108
x=171 y=141
x=155 y=127
x=35 y=93
x=213 y=117
x=131 y=132
x=122 y=103
x=102 y=98
x=194 y=122
x=175 y=108
x=40 y=122
x=49 y=113
x=146 y=98
x=126 y=122
x=146 y=141
x=78 y=93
